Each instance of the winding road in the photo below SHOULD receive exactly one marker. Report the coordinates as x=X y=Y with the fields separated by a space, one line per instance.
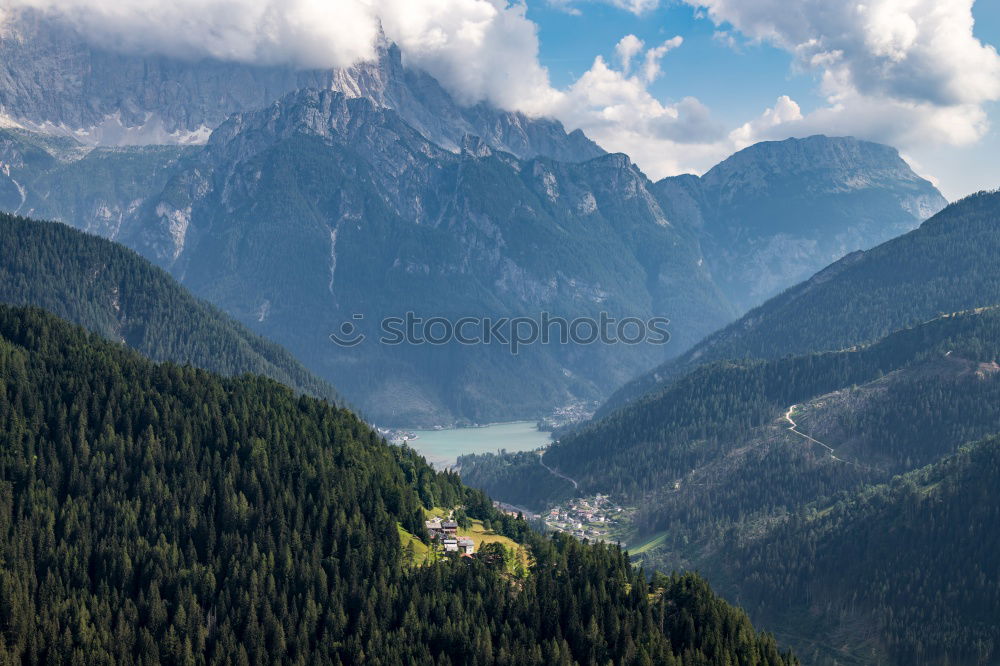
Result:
x=794 y=428
x=541 y=454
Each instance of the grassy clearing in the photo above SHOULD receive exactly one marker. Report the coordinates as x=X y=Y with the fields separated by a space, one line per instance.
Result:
x=648 y=545
x=478 y=533
x=480 y=536
x=437 y=511
x=421 y=551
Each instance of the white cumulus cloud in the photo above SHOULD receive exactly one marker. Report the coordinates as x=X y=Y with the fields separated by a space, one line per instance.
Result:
x=615 y=107
x=894 y=70
x=906 y=72
x=479 y=49
x=636 y=6
x=627 y=48
x=651 y=68
x=310 y=33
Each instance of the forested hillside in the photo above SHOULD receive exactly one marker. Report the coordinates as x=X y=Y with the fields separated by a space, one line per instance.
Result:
x=157 y=513
x=908 y=569
x=115 y=292
x=950 y=263
x=759 y=473
x=655 y=442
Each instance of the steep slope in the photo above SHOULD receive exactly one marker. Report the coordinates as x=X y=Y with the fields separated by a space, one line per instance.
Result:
x=52 y=80
x=757 y=473
x=97 y=190
x=118 y=294
x=902 y=573
x=701 y=442
x=775 y=213
x=300 y=216
x=950 y=263
x=156 y=513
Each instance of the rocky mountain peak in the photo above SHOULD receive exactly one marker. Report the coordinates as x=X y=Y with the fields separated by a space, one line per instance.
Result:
x=475 y=146
x=773 y=214
x=822 y=163
x=52 y=80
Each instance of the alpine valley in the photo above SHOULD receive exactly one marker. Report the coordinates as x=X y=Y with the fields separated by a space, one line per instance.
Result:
x=297 y=201
x=811 y=458
x=205 y=446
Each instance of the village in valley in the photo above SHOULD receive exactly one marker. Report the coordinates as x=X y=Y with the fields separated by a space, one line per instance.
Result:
x=592 y=519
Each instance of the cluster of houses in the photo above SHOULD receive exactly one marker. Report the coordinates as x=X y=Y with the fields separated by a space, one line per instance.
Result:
x=592 y=519
x=445 y=532
x=571 y=413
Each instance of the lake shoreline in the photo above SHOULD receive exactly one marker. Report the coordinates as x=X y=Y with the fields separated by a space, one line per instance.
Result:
x=443 y=447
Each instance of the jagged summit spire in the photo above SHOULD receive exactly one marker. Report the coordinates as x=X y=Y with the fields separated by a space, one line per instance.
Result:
x=122 y=98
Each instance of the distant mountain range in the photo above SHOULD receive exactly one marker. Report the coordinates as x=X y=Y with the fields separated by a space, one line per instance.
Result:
x=322 y=206
x=370 y=191
x=54 y=81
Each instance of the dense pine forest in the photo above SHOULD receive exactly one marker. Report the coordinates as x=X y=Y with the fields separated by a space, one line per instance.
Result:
x=915 y=561
x=515 y=476
x=658 y=440
x=844 y=551
x=110 y=289
x=159 y=513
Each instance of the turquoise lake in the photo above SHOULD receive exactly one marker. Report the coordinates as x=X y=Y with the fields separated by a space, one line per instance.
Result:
x=443 y=447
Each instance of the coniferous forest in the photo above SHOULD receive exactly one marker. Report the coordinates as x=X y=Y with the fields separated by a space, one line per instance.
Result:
x=382 y=332
x=835 y=542
x=110 y=289
x=921 y=552
x=161 y=514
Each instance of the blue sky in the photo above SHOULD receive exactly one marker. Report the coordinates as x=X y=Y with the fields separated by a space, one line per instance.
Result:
x=702 y=67
x=739 y=80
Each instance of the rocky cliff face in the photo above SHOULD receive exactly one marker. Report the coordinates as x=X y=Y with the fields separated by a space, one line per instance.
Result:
x=368 y=190
x=321 y=206
x=53 y=81
x=424 y=105
x=775 y=213
x=98 y=190
x=298 y=217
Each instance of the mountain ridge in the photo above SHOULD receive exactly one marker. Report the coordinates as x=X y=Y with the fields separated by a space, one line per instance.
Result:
x=112 y=291
x=53 y=80
x=880 y=300
x=377 y=220
x=388 y=198
x=776 y=212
